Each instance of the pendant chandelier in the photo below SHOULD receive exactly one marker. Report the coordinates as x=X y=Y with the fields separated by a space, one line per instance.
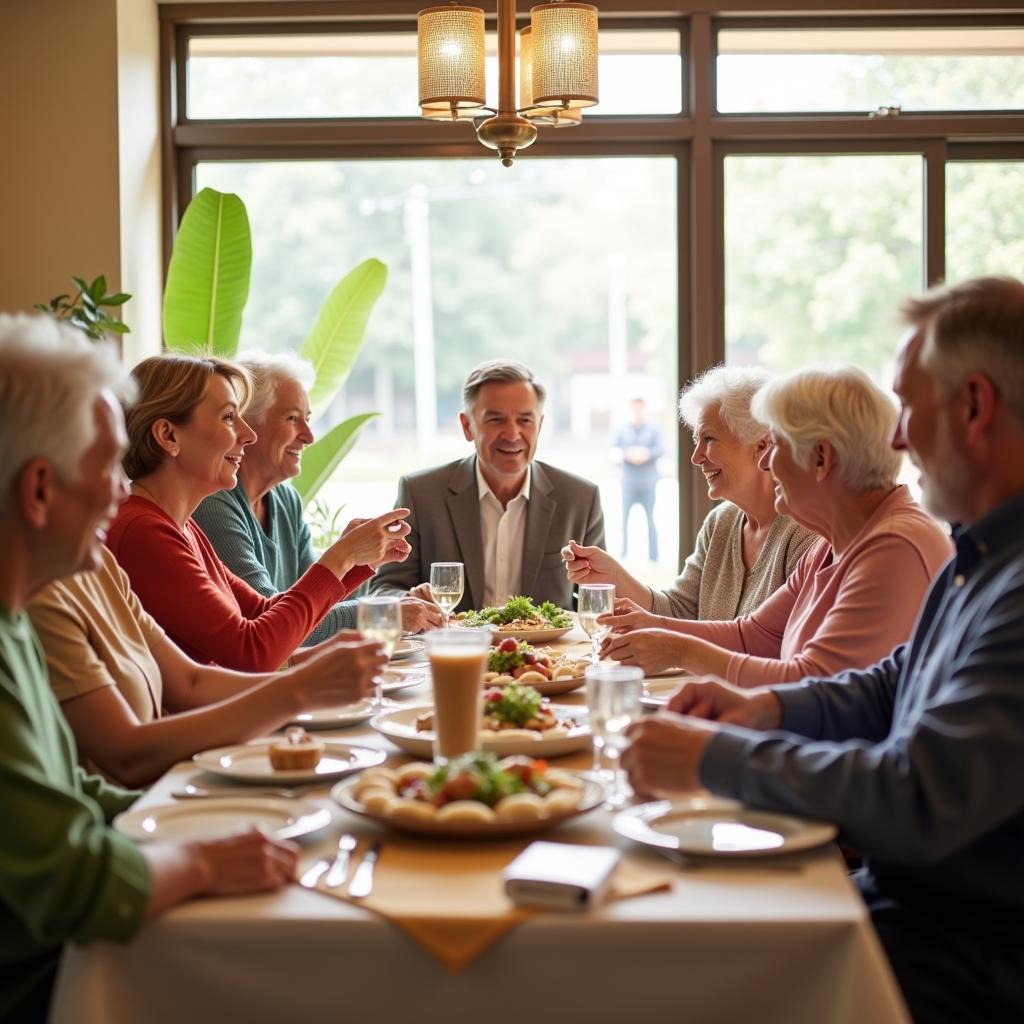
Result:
x=557 y=70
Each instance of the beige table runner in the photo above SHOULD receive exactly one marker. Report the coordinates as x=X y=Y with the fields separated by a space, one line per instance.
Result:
x=449 y=897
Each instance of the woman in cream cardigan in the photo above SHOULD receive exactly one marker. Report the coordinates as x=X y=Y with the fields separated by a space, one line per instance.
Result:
x=746 y=549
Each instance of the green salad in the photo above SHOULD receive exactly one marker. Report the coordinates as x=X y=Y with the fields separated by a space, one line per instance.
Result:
x=523 y=612
x=480 y=777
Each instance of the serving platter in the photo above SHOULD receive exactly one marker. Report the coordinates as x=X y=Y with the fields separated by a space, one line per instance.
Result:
x=399 y=726
x=250 y=762
x=208 y=819
x=712 y=827
x=541 y=635
x=593 y=795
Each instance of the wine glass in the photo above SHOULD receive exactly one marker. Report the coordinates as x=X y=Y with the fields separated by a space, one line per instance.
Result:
x=613 y=701
x=595 y=599
x=447 y=581
x=380 y=619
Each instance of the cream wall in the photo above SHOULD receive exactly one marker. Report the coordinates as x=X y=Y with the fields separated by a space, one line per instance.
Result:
x=79 y=181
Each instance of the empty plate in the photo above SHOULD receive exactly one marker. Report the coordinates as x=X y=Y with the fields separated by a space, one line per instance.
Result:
x=208 y=819
x=711 y=827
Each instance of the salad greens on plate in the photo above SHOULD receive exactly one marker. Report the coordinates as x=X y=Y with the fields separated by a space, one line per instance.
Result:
x=521 y=610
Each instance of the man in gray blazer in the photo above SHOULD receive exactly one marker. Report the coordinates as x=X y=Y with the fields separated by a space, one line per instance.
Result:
x=500 y=513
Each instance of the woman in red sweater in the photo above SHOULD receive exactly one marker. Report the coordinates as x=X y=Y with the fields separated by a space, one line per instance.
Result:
x=186 y=440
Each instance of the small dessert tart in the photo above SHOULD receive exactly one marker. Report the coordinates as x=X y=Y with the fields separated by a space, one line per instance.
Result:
x=296 y=752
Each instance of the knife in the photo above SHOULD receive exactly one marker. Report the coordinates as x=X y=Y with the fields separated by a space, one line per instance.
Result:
x=339 y=869
x=311 y=876
x=362 y=881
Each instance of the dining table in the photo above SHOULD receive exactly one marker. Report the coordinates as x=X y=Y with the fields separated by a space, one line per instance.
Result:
x=773 y=938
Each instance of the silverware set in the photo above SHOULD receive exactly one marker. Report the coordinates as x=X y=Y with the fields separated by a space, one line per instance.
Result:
x=336 y=870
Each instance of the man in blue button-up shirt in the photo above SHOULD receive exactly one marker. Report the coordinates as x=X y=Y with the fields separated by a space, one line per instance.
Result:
x=920 y=759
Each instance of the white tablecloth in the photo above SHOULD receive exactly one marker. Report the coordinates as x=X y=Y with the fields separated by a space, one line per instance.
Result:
x=731 y=942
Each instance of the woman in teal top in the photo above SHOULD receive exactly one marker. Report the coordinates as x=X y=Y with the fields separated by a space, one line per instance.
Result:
x=257 y=528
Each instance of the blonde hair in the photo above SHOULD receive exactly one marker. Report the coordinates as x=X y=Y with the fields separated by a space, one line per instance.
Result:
x=840 y=405
x=50 y=378
x=170 y=387
x=976 y=326
x=732 y=389
x=269 y=371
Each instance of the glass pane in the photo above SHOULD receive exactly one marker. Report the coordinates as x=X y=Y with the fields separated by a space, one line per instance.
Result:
x=474 y=274
x=819 y=251
x=984 y=218
x=375 y=75
x=779 y=70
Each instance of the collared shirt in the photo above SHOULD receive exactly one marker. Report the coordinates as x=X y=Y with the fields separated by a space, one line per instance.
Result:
x=920 y=758
x=503 y=532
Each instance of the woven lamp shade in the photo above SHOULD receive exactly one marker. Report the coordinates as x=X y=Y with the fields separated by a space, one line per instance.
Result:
x=451 y=58
x=564 y=55
x=550 y=116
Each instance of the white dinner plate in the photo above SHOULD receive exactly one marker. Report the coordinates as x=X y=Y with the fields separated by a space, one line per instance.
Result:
x=593 y=796
x=712 y=827
x=208 y=819
x=407 y=647
x=401 y=679
x=658 y=691
x=531 y=636
x=399 y=726
x=250 y=762
x=336 y=718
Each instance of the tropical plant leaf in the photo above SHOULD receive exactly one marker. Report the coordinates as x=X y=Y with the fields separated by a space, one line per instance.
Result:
x=333 y=343
x=208 y=276
x=322 y=457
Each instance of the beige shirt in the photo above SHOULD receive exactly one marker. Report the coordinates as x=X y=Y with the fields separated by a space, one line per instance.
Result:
x=96 y=633
x=503 y=532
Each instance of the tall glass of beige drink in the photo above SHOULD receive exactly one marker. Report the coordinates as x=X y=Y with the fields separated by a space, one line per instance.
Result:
x=458 y=660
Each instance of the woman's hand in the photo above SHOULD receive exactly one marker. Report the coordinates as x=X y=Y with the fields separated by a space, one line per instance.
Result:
x=419 y=615
x=653 y=650
x=369 y=542
x=248 y=861
x=628 y=615
x=340 y=672
x=590 y=564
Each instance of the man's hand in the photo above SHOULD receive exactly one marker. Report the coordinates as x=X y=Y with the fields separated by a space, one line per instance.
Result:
x=654 y=650
x=422 y=593
x=721 y=702
x=418 y=615
x=665 y=754
x=249 y=861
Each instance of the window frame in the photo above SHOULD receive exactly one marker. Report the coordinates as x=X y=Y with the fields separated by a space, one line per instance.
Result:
x=699 y=137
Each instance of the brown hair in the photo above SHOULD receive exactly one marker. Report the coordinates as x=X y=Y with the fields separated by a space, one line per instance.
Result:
x=976 y=326
x=170 y=387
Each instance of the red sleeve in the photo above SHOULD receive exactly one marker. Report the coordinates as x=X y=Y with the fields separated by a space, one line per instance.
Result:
x=212 y=615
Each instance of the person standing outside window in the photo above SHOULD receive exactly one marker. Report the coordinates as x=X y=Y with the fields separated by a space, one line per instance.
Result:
x=638 y=445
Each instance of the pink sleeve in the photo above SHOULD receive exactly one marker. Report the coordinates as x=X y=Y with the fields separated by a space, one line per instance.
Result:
x=177 y=589
x=874 y=611
x=759 y=633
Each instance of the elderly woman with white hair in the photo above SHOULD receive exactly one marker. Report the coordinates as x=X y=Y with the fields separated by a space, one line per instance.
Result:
x=745 y=549
x=855 y=594
x=257 y=528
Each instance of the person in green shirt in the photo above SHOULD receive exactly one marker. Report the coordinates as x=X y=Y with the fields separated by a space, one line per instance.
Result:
x=65 y=874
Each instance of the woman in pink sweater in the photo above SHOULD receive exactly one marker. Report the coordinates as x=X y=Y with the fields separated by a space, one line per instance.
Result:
x=855 y=594
x=186 y=440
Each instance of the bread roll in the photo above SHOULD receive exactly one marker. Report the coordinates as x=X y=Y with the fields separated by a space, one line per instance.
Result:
x=378 y=800
x=412 y=810
x=520 y=807
x=466 y=812
x=414 y=771
x=562 y=801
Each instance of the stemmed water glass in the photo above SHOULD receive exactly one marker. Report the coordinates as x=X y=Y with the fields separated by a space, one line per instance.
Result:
x=447 y=582
x=595 y=599
x=613 y=701
x=380 y=619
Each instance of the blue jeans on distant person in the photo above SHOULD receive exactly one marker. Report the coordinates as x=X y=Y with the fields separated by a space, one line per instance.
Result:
x=644 y=497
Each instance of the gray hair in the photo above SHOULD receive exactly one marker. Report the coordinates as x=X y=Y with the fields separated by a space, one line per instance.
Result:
x=976 y=326
x=732 y=389
x=840 y=405
x=498 y=371
x=269 y=370
x=50 y=378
